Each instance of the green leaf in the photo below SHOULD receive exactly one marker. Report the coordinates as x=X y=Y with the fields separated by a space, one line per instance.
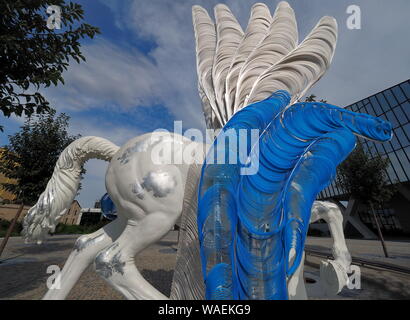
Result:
x=34 y=56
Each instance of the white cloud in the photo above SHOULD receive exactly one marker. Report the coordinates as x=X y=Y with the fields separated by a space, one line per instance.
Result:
x=93 y=184
x=114 y=133
x=366 y=60
x=110 y=76
x=114 y=75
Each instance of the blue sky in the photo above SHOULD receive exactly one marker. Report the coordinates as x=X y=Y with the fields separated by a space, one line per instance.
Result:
x=140 y=73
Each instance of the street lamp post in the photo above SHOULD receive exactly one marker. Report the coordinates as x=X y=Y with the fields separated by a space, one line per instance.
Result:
x=379 y=230
x=10 y=229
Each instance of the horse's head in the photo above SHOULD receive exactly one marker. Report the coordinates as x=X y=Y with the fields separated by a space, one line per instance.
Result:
x=311 y=120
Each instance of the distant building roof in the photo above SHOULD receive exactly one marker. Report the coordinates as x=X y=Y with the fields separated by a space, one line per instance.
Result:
x=91 y=210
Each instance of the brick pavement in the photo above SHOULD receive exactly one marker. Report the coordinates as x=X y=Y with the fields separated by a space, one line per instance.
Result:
x=24 y=276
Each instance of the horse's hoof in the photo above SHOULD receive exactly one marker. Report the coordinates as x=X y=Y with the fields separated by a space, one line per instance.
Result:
x=333 y=277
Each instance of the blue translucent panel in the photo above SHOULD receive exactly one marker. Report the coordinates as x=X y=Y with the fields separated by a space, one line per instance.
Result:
x=252 y=227
x=217 y=217
x=108 y=208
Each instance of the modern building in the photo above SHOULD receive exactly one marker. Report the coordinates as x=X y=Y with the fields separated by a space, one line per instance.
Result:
x=90 y=216
x=392 y=104
x=72 y=216
x=8 y=211
x=5 y=196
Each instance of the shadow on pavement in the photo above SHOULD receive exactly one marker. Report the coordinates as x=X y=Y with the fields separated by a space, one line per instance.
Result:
x=43 y=248
x=160 y=279
x=16 y=278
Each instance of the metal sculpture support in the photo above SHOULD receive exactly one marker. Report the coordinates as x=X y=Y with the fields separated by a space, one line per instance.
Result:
x=236 y=69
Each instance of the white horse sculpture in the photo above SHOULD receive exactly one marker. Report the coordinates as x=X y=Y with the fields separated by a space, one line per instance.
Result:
x=235 y=68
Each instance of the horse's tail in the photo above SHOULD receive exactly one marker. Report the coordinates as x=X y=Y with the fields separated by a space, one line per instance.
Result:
x=63 y=185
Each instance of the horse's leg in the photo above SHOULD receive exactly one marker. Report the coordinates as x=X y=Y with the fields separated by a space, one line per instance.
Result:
x=333 y=272
x=331 y=213
x=147 y=189
x=85 y=250
x=296 y=283
x=116 y=263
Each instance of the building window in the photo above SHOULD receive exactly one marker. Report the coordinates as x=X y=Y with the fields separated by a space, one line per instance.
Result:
x=405 y=86
x=392 y=105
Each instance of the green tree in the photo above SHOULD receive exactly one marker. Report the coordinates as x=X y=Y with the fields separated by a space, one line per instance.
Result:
x=32 y=154
x=32 y=55
x=365 y=178
x=312 y=98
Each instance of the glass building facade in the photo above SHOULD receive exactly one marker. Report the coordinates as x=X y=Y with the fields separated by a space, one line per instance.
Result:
x=392 y=104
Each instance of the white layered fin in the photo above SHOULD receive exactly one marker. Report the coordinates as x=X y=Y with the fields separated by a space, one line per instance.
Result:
x=241 y=69
x=205 y=36
x=229 y=36
x=301 y=68
x=258 y=25
x=281 y=38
